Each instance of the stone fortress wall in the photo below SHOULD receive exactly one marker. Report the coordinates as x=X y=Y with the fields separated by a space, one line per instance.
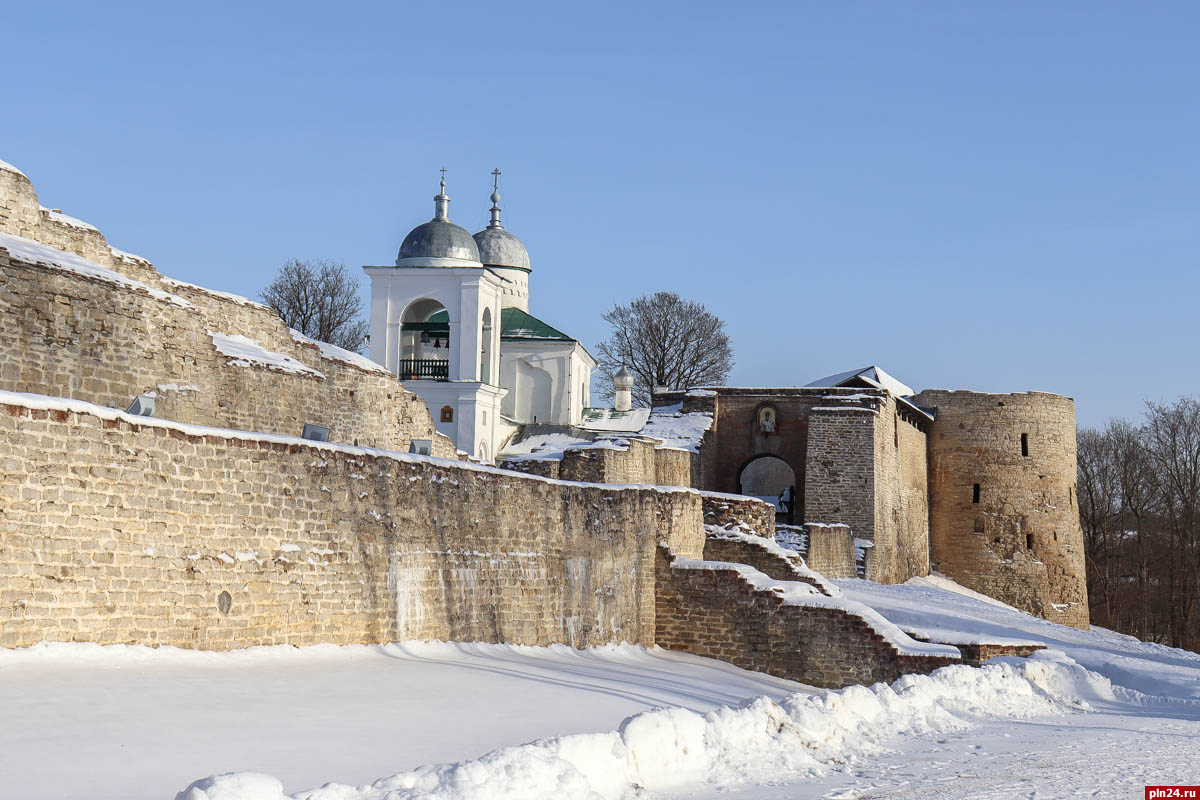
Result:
x=116 y=528
x=127 y=529
x=904 y=483
x=1017 y=536
x=107 y=337
x=858 y=456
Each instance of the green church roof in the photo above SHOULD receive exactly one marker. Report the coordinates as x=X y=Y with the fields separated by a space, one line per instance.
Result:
x=514 y=324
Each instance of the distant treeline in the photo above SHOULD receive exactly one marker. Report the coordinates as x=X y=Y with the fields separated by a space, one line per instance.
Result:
x=1139 y=502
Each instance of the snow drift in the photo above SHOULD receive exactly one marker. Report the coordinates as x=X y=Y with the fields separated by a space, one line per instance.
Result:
x=668 y=749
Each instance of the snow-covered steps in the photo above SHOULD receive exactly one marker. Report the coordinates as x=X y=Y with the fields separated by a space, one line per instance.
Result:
x=790 y=629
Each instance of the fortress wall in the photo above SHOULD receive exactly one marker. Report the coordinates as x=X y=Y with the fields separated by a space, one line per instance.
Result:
x=21 y=214
x=710 y=609
x=633 y=463
x=901 y=498
x=638 y=463
x=72 y=335
x=1021 y=542
x=676 y=468
x=831 y=550
x=119 y=529
x=748 y=513
x=839 y=477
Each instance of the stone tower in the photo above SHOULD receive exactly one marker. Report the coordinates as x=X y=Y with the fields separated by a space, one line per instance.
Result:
x=1003 y=514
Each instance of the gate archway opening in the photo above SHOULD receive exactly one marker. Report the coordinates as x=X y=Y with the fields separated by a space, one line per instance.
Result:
x=773 y=480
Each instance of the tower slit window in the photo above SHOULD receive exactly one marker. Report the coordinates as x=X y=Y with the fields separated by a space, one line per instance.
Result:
x=975 y=493
x=1025 y=444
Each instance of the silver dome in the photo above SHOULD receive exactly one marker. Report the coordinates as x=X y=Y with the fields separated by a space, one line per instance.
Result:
x=438 y=242
x=499 y=248
x=439 y=238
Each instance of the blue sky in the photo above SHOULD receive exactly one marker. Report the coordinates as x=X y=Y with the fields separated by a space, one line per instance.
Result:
x=992 y=196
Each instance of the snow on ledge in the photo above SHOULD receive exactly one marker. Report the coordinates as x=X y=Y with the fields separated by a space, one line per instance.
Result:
x=65 y=219
x=335 y=353
x=796 y=593
x=40 y=255
x=779 y=551
x=237 y=298
x=11 y=168
x=39 y=402
x=245 y=352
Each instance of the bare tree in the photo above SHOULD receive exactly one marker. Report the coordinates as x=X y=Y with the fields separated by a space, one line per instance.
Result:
x=665 y=340
x=1139 y=503
x=320 y=299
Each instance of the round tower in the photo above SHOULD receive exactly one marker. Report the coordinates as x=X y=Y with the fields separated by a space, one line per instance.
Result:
x=1003 y=514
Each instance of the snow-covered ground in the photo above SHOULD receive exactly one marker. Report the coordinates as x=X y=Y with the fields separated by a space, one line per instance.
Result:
x=126 y=723
x=98 y=723
x=947 y=612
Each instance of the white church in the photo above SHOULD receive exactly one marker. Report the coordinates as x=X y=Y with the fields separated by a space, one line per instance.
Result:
x=451 y=318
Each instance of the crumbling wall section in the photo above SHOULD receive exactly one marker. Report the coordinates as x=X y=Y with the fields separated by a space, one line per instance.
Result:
x=711 y=609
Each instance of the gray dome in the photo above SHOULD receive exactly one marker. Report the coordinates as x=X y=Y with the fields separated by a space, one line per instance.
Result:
x=439 y=238
x=499 y=248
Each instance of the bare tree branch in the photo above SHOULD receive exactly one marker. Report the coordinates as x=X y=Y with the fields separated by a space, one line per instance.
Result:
x=320 y=299
x=664 y=340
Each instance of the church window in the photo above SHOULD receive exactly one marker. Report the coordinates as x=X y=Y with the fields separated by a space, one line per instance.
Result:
x=447 y=414
x=766 y=419
x=1025 y=444
x=975 y=493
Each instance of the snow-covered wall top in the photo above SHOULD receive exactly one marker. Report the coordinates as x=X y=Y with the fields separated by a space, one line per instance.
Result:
x=82 y=319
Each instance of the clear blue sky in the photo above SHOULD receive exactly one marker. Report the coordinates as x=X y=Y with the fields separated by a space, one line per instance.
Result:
x=995 y=196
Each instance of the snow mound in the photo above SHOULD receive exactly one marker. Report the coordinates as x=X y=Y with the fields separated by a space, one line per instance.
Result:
x=763 y=740
x=32 y=252
x=245 y=352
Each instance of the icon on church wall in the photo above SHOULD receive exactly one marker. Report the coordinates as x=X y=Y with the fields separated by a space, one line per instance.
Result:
x=447 y=414
x=766 y=419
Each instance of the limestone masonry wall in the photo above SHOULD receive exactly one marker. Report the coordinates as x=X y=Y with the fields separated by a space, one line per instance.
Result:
x=637 y=461
x=1017 y=536
x=71 y=335
x=901 y=496
x=715 y=612
x=119 y=529
x=831 y=550
x=753 y=515
x=839 y=482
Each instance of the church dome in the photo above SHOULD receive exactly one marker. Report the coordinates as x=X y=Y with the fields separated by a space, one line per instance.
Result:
x=438 y=242
x=439 y=238
x=498 y=247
